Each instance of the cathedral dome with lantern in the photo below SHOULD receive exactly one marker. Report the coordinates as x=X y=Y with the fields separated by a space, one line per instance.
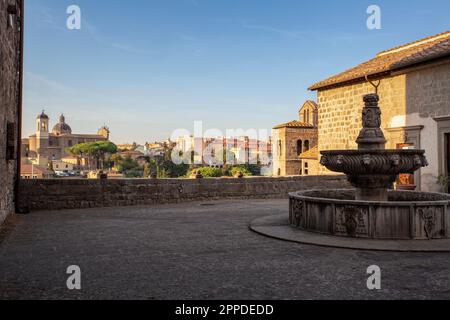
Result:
x=62 y=127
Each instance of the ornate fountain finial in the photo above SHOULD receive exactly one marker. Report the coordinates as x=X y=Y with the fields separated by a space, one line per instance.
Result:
x=371 y=100
x=371 y=136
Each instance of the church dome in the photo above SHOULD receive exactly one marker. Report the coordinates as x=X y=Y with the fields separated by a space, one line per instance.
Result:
x=62 y=127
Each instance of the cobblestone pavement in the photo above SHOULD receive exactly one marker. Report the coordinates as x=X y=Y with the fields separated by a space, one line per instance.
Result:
x=196 y=251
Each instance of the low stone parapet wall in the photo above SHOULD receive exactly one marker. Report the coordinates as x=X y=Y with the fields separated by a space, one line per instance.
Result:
x=55 y=194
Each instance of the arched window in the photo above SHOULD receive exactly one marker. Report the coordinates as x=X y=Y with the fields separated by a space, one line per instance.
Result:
x=299 y=147
x=306 y=145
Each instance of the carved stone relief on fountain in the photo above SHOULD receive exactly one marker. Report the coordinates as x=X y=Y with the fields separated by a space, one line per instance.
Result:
x=352 y=221
x=296 y=212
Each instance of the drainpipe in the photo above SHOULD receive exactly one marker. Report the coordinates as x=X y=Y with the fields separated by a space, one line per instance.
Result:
x=19 y=109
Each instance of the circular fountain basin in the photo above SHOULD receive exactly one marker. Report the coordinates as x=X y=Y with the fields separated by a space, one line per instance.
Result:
x=384 y=162
x=407 y=215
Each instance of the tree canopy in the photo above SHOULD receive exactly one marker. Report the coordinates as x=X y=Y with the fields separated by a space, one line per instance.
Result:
x=96 y=150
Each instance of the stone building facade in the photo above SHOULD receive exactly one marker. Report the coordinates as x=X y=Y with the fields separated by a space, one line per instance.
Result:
x=45 y=145
x=414 y=90
x=11 y=44
x=292 y=140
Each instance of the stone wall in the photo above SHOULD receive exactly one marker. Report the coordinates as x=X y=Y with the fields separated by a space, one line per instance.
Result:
x=407 y=100
x=56 y=194
x=427 y=99
x=10 y=46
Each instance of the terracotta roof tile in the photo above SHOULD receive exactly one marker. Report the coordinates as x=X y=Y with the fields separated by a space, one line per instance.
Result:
x=427 y=49
x=311 y=153
x=295 y=124
x=28 y=169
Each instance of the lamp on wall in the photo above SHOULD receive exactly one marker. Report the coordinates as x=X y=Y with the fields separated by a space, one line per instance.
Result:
x=12 y=12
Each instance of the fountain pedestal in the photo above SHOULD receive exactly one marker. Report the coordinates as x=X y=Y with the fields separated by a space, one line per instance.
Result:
x=376 y=194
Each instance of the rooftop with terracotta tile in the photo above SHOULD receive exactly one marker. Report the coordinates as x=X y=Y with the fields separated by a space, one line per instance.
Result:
x=425 y=50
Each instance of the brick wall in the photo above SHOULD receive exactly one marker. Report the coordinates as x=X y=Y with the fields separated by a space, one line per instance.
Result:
x=10 y=44
x=69 y=194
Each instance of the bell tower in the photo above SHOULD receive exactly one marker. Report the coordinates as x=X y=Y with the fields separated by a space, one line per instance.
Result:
x=104 y=132
x=42 y=138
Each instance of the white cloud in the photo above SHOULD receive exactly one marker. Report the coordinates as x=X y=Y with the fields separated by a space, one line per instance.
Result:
x=281 y=32
x=38 y=81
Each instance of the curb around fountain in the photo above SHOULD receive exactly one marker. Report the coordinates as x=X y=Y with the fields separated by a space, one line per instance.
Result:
x=277 y=227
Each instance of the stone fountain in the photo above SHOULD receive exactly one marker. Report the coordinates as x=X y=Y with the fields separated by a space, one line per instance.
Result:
x=372 y=210
x=372 y=169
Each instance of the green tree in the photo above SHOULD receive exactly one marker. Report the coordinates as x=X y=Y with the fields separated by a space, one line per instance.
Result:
x=245 y=171
x=127 y=164
x=173 y=170
x=101 y=149
x=208 y=172
x=255 y=169
x=96 y=150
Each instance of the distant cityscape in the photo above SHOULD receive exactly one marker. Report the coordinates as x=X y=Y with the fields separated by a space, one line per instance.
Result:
x=60 y=153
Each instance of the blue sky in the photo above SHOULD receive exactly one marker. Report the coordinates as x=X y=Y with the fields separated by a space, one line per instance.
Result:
x=146 y=68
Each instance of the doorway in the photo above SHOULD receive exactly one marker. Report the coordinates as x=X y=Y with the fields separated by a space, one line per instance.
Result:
x=406 y=181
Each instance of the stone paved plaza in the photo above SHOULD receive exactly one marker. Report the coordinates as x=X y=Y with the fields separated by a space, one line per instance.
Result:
x=196 y=251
